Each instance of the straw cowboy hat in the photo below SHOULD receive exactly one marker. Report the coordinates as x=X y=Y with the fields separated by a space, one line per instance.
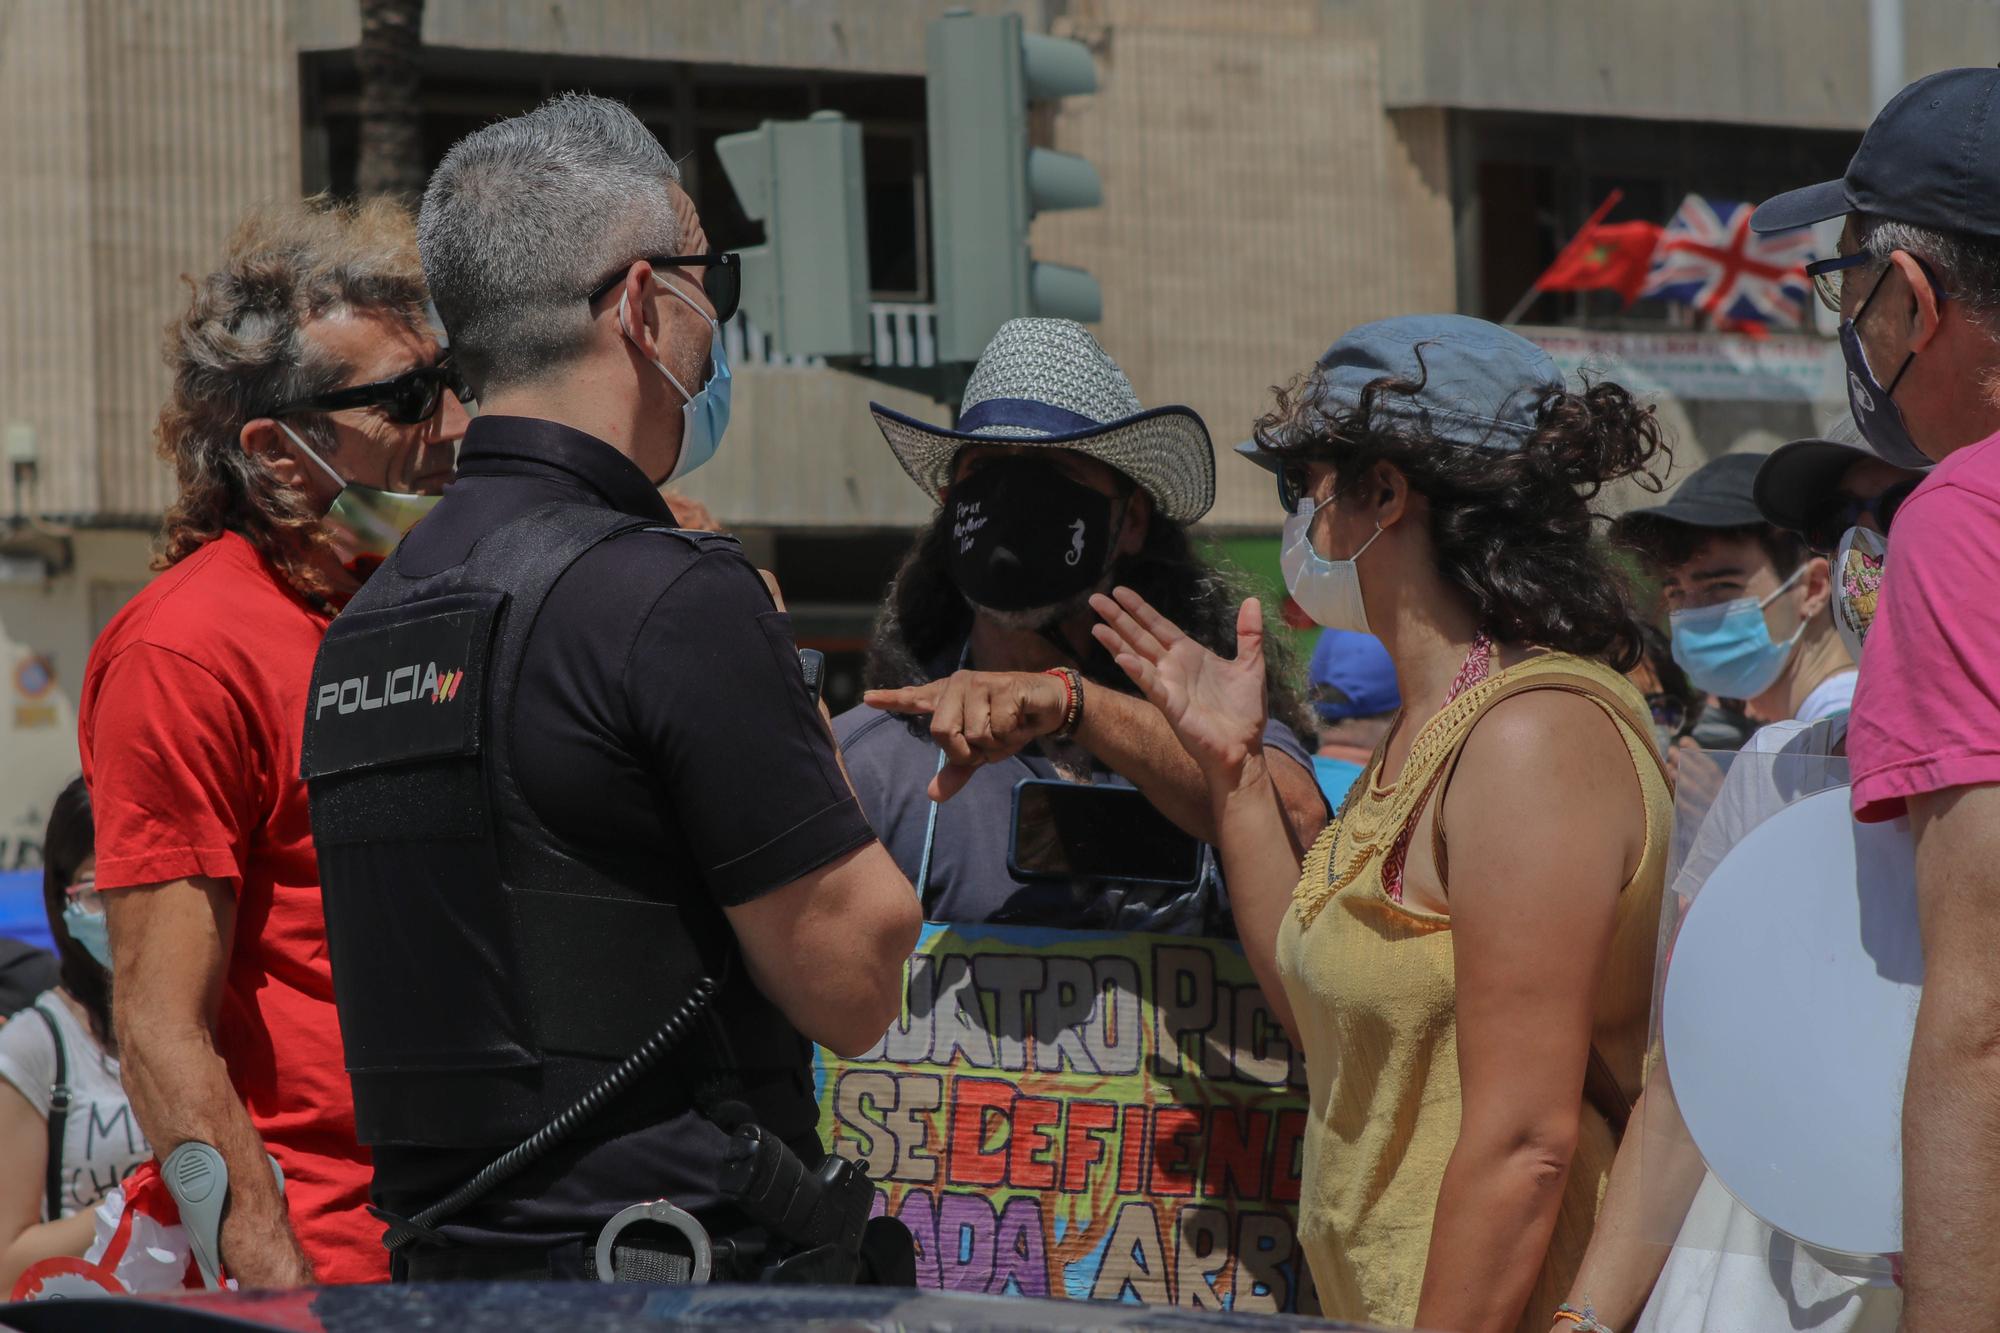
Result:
x=1046 y=383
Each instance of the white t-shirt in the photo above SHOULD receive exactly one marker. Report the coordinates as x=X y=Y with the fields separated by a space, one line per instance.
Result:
x=1780 y=764
x=101 y=1140
x=1729 y=1272
x=1833 y=695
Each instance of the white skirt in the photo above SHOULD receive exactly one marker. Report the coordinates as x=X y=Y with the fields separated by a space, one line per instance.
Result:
x=1730 y=1273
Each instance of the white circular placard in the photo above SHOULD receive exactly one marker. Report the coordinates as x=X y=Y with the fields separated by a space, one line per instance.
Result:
x=1790 y=1000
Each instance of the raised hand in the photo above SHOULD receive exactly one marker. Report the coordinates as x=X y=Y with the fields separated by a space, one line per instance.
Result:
x=1216 y=706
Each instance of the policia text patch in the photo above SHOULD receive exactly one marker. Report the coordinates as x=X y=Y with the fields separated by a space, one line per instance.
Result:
x=389 y=693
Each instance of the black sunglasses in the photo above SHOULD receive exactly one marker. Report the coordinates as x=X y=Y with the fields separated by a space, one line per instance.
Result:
x=1825 y=529
x=409 y=399
x=721 y=279
x=1294 y=479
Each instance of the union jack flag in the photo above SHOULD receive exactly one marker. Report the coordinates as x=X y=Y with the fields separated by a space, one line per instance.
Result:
x=1710 y=259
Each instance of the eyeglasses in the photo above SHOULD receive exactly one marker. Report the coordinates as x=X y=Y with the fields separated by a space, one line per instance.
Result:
x=409 y=399
x=84 y=894
x=1825 y=529
x=722 y=279
x=1828 y=274
x=1669 y=711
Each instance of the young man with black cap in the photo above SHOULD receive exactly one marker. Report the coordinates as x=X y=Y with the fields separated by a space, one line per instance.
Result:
x=1917 y=286
x=1726 y=1271
x=1747 y=601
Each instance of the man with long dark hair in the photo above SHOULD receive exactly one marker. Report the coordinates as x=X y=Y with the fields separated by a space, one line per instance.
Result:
x=983 y=674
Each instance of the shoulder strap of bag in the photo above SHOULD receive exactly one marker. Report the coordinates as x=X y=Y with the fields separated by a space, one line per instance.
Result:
x=1601 y=1088
x=59 y=1095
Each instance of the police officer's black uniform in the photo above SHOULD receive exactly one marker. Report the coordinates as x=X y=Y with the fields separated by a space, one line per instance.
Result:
x=547 y=743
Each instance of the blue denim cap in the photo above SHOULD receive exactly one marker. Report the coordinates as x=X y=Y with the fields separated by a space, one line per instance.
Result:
x=1482 y=384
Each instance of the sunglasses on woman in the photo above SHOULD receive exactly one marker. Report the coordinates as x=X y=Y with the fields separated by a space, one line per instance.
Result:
x=721 y=279
x=1294 y=481
x=408 y=399
x=1826 y=528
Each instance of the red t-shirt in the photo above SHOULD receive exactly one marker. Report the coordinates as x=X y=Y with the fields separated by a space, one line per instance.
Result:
x=193 y=705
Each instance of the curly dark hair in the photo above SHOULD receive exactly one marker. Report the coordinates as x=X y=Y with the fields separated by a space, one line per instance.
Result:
x=1512 y=529
x=69 y=840
x=925 y=616
x=239 y=352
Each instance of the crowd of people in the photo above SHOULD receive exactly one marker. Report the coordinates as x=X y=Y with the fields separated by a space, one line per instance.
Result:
x=379 y=945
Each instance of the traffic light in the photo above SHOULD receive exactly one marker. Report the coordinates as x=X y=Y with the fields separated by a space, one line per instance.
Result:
x=807 y=285
x=987 y=184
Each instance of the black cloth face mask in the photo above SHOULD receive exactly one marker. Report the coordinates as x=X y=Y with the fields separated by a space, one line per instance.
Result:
x=1025 y=537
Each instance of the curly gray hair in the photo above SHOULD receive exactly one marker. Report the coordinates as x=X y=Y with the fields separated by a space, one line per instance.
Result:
x=239 y=352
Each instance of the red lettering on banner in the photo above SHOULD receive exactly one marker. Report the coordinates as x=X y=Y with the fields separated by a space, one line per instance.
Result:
x=1132 y=1148
x=1173 y=1172
x=1025 y=1170
x=1236 y=1153
x=973 y=1100
x=1082 y=1148
x=1286 y=1164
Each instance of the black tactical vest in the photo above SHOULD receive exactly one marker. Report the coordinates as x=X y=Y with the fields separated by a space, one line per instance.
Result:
x=486 y=973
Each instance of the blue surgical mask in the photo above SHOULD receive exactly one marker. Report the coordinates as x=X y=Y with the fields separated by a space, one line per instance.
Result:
x=1726 y=650
x=705 y=413
x=1327 y=590
x=88 y=930
x=1875 y=412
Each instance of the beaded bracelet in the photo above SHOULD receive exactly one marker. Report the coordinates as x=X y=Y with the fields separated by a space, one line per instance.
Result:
x=1585 y=1320
x=1072 y=684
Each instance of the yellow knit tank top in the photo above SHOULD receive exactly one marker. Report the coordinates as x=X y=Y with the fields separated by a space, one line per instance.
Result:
x=1371 y=984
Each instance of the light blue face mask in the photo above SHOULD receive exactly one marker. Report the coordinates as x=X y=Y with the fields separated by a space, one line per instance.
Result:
x=1726 y=650
x=1327 y=590
x=704 y=414
x=88 y=930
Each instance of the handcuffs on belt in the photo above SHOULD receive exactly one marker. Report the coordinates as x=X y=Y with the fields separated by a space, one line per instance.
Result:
x=814 y=1218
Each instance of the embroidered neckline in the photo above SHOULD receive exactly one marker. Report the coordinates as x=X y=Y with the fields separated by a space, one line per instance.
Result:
x=1373 y=818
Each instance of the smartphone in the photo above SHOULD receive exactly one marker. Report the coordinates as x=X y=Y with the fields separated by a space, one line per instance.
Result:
x=1075 y=831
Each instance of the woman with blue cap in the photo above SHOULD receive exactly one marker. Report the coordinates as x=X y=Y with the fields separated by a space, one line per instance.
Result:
x=1466 y=953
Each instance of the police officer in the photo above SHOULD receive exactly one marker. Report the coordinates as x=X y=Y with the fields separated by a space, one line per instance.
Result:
x=578 y=814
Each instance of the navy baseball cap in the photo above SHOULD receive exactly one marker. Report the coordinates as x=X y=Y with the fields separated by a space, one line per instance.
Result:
x=1483 y=385
x=1720 y=494
x=1800 y=479
x=1358 y=666
x=1932 y=158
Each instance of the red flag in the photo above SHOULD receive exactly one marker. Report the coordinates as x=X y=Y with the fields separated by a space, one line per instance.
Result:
x=1604 y=255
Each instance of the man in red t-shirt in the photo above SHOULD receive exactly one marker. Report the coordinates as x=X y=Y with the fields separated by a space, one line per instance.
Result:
x=306 y=384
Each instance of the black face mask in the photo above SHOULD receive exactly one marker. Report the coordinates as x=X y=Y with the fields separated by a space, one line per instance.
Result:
x=1024 y=536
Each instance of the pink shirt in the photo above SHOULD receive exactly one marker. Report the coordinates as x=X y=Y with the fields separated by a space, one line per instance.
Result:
x=1927 y=710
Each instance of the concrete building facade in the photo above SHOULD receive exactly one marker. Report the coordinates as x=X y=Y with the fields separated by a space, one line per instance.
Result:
x=1274 y=172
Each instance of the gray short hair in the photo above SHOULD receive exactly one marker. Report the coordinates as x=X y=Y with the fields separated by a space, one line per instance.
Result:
x=524 y=216
x=1967 y=266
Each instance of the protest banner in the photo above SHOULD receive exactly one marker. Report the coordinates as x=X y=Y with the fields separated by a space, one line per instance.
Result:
x=1065 y=1113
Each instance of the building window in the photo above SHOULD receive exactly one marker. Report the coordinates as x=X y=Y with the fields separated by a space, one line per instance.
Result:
x=1524 y=184
x=688 y=106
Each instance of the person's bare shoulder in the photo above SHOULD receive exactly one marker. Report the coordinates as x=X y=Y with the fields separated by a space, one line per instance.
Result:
x=1548 y=748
